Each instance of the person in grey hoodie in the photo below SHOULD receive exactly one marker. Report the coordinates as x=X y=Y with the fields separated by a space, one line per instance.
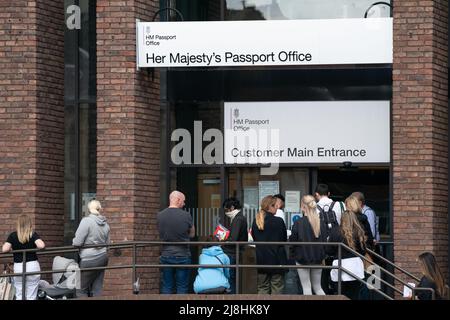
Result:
x=93 y=229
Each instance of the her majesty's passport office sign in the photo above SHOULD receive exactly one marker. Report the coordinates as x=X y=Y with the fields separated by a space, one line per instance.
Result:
x=264 y=43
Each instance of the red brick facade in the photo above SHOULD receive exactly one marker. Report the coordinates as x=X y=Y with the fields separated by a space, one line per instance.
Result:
x=128 y=124
x=128 y=128
x=420 y=117
x=32 y=116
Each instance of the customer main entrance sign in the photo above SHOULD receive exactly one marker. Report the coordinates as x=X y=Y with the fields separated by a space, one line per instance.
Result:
x=307 y=132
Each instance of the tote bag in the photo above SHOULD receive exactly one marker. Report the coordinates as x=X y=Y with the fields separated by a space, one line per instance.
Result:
x=7 y=289
x=354 y=265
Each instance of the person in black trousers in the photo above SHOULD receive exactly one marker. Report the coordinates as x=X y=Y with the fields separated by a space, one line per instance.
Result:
x=238 y=232
x=351 y=234
x=268 y=228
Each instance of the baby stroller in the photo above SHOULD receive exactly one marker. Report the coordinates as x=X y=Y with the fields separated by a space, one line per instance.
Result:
x=64 y=284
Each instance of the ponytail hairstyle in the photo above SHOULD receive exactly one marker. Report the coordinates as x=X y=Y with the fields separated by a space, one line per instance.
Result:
x=310 y=210
x=431 y=271
x=24 y=228
x=94 y=207
x=266 y=203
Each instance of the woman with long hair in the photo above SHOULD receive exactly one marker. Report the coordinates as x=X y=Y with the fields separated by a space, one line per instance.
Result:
x=431 y=278
x=268 y=228
x=352 y=204
x=309 y=228
x=25 y=238
x=353 y=235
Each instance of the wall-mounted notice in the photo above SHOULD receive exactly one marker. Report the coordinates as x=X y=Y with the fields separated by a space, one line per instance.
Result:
x=264 y=43
x=268 y=188
x=292 y=203
x=251 y=198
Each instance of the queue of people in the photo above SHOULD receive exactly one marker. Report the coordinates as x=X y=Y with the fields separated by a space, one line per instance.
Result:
x=93 y=230
x=323 y=220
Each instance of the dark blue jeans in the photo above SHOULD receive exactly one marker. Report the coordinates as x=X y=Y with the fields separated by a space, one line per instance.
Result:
x=232 y=279
x=180 y=275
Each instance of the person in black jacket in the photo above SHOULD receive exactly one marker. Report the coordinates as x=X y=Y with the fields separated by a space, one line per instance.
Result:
x=238 y=232
x=352 y=204
x=268 y=228
x=351 y=234
x=432 y=278
x=309 y=228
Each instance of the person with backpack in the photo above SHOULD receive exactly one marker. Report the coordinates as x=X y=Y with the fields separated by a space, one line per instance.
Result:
x=327 y=205
x=309 y=228
x=330 y=214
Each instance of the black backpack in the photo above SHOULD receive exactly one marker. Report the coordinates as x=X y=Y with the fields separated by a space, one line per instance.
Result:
x=328 y=217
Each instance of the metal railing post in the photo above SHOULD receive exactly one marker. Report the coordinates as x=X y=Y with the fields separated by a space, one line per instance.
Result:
x=134 y=270
x=340 y=269
x=24 y=278
x=236 y=269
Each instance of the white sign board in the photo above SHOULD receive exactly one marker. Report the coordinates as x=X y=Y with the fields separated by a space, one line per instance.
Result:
x=292 y=203
x=264 y=43
x=307 y=132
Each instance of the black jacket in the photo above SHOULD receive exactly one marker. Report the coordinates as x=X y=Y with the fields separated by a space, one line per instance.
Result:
x=238 y=232
x=364 y=222
x=302 y=232
x=274 y=230
x=337 y=236
x=426 y=294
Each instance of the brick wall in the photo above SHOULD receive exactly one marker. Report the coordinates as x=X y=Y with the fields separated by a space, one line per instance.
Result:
x=420 y=116
x=128 y=146
x=32 y=116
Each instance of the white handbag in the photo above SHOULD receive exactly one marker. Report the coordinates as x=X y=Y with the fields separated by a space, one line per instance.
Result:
x=354 y=265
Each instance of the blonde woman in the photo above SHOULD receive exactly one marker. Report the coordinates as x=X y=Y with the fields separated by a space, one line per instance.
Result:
x=351 y=234
x=309 y=228
x=25 y=238
x=353 y=204
x=268 y=228
x=93 y=229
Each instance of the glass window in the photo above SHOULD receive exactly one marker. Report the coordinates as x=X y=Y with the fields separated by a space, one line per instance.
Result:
x=304 y=9
x=87 y=51
x=70 y=172
x=80 y=116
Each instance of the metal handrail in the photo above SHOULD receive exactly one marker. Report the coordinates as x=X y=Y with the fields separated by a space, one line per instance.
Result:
x=392 y=264
x=381 y=269
x=135 y=244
